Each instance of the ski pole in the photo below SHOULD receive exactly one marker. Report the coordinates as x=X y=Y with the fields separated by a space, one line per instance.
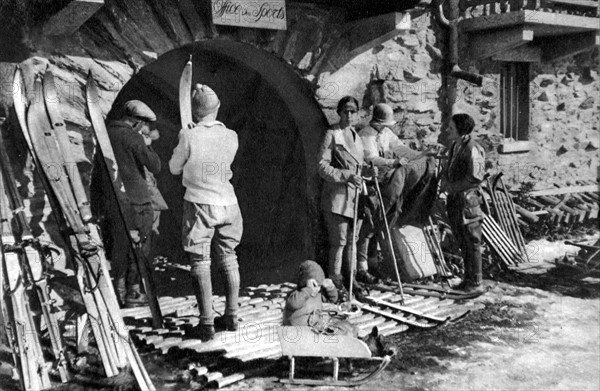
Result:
x=353 y=244
x=389 y=237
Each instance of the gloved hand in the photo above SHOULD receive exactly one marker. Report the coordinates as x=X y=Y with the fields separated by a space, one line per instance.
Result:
x=371 y=171
x=328 y=284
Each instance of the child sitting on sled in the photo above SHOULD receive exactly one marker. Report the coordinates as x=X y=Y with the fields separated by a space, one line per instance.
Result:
x=304 y=306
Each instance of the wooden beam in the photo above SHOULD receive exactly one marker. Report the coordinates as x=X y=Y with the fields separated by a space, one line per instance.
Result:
x=192 y=19
x=71 y=17
x=555 y=48
x=367 y=33
x=486 y=44
x=524 y=53
x=528 y=18
x=564 y=190
x=576 y=3
x=514 y=146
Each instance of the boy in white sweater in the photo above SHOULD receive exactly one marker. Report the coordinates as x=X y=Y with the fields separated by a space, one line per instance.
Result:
x=211 y=214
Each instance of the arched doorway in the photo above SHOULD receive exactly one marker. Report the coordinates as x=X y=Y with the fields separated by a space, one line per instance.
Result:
x=279 y=125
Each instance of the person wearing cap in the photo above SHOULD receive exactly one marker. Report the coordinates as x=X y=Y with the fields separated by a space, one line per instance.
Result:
x=462 y=179
x=131 y=139
x=341 y=165
x=384 y=150
x=211 y=214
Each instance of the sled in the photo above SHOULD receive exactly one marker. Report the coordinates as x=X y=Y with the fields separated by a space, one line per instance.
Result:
x=302 y=341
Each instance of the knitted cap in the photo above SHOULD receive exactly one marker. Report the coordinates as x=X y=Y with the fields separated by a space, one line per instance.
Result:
x=138 y=109
x=383 y=114
x=204 y=100
x=308 y=270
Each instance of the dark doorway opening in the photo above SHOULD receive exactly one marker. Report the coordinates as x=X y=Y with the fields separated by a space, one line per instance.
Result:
x=279 y=125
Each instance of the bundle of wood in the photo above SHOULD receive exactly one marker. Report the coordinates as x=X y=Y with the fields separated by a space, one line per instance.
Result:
x=559 y=212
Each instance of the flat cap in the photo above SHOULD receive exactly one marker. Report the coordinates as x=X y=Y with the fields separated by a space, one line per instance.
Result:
x=138 y=109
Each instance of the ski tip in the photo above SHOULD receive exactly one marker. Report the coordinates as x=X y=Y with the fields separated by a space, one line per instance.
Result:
x=18 y=76
x=190 y=59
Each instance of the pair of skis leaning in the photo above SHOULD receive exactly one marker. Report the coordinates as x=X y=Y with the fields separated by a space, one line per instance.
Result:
x=45 y=133
x=21 y=268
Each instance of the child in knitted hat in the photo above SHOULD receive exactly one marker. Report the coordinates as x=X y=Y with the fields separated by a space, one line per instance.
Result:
x=304 y=306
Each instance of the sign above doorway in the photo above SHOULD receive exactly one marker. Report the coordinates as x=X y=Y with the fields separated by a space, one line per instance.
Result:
x=261 y=14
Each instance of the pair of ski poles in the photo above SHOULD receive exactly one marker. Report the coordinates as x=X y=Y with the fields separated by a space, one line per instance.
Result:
x=390 y=244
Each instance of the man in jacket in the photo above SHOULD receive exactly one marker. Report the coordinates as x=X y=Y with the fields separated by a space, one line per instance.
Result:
x=399 y=171
x=131 y=142
x=463 y=176
x=211 y=215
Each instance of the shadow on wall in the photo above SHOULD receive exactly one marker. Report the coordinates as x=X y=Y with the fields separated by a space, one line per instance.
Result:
x=278 y=123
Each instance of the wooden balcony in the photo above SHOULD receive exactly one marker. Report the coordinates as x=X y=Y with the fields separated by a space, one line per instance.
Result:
x=529 y=30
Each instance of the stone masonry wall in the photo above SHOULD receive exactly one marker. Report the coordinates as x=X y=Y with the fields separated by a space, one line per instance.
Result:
x=405 y=73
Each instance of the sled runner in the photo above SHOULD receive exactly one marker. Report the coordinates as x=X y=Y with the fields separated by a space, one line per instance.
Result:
x=302 y=341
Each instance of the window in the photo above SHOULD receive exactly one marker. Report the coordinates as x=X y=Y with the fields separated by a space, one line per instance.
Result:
x=514 y=100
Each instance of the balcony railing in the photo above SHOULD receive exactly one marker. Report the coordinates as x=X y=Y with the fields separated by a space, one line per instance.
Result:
x=477 y=8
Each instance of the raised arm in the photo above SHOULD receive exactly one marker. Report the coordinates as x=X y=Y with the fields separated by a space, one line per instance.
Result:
x=181 y=153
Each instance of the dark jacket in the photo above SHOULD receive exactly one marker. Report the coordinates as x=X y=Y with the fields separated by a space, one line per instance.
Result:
x=132 y=156
x=466 y=162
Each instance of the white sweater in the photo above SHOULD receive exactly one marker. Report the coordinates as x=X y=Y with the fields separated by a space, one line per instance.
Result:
x=204 y=156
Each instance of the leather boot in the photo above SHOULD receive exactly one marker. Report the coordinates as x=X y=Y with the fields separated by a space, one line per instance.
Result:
x=135 y=297
x=204 y=332
x=365 y=277
x=227 y=323
x=338 y=281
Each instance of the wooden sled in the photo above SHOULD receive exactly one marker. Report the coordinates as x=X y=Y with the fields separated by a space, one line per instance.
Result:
x=302 y=341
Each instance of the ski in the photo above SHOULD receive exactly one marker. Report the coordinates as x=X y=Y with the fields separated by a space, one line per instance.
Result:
x=35 y=265
x=98 y=266
x=33 y=373
x=112 y=171
x=58 y=124
x=84 y=251
x=185 y=95
x=20 y=103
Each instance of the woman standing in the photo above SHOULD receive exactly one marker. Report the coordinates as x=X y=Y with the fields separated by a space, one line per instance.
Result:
x=341 y=165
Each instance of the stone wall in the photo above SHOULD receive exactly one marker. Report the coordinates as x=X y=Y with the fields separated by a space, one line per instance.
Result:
x=405 y=73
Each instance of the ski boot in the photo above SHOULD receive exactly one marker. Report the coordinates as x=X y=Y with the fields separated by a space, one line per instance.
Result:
x=227 y=323
x=135 y=297
x=204 y=332
x=365 y=277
